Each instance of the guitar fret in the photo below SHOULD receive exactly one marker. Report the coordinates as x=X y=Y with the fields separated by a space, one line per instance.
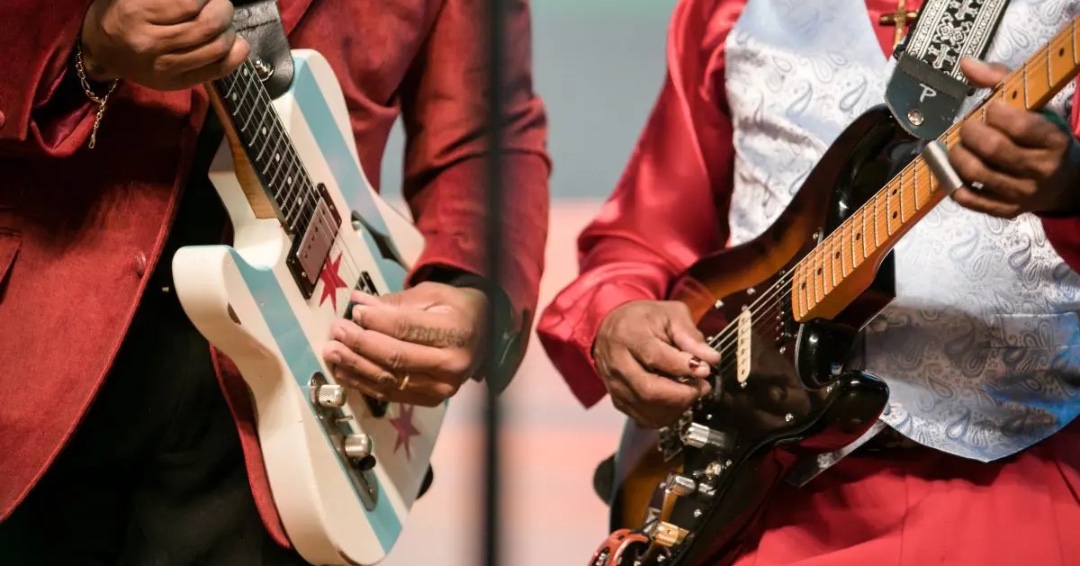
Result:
x=1024 y=73
x=908 y=195
x=275 y=155
x=903 y=188
x=1042 y=88
x=829 y=264
x=268 y=146
x=260 y=128
x=896 y=210
x=294 y=174
x=1049 y=68
x=875 y=215
x=825 y=278
x=1057 y=66
x=807 y=287
x=865 y=254
x=888 y=214
x=798 y=298
x=800 y=273
x=915 y=185
x=1073 y=31
x=837 y=257
x=852 y=239
x=826 y=275
x=290 y=170
x=243 y=97
x=275 y=161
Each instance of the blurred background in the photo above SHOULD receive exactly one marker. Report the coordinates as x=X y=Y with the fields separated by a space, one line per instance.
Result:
x=598 y=65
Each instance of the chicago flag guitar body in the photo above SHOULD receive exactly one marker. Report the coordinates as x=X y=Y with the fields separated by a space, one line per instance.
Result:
x=791 y=305
x=344 y=470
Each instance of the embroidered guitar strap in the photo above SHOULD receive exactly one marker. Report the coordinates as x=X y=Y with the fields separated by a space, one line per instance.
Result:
x=927 y=88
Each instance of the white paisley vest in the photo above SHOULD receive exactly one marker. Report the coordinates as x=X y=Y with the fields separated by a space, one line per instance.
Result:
x=980 y=347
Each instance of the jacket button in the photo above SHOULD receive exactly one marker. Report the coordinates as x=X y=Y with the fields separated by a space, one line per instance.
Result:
x=140 y=264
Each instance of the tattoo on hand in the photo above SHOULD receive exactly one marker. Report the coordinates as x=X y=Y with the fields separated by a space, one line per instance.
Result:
x=436 y=337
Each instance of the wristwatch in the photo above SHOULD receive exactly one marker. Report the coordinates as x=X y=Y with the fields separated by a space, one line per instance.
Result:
x=505 y=351
x=1074 y=154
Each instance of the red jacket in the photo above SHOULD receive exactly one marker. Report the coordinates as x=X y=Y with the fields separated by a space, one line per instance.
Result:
x=686 y=145
x=82 y=229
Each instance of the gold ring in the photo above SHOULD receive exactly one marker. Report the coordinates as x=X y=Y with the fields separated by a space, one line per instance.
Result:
x=404 y=382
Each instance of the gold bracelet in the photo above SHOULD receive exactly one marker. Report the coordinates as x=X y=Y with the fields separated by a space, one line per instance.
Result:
x=100 y=101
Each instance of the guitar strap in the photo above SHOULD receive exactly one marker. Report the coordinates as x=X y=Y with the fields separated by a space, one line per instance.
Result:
x=259 y=22
x=927 y=88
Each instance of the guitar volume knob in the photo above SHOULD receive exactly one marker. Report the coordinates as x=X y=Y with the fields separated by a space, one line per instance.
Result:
x=330 y=396
x=360 y=449
x=702 y=437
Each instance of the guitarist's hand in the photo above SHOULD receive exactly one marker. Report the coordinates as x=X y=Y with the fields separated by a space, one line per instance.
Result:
x=650 y=354
x=161 y=44
x=1023 y=161
x=431 y=333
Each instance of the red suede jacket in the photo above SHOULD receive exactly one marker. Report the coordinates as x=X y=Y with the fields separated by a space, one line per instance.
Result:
x=81 y=230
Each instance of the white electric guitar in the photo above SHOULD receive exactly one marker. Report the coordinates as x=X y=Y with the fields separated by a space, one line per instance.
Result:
x=343 y=469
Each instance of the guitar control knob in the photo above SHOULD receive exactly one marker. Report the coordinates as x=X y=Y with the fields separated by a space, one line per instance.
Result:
x=329 y=396
x=360 y=449
x=681 y=485
x=703 y=437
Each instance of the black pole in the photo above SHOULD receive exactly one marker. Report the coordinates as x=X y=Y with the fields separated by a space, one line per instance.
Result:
x=490 y=489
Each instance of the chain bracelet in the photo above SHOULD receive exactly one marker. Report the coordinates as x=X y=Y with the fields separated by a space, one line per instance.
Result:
x=101 y=101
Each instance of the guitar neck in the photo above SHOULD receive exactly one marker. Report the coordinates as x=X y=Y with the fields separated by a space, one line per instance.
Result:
x=828 y=277
x=258 y=137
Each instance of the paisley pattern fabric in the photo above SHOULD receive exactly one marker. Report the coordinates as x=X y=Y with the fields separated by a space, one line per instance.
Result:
x=981 y=348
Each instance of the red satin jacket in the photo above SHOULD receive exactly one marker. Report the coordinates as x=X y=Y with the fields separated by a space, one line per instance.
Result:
x=670 y=207
x=81 y=230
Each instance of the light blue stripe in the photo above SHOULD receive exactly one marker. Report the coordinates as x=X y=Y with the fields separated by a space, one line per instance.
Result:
x=283 y=324
x=303 y=363
x=346 y=171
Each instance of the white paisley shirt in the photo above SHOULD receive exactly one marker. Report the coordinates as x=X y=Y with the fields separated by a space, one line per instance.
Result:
x=980 y=348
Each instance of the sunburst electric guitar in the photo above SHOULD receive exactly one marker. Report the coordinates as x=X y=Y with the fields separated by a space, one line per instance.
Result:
x=343 y=469
x=784 y=311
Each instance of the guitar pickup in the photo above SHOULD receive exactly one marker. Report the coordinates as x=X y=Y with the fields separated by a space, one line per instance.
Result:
x=742 y=346
x=310 y=252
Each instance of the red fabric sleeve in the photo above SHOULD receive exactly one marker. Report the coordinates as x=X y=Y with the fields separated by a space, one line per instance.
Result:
x=1064 y=233
x=43 y=110
x=444 y=109
x=669 y=208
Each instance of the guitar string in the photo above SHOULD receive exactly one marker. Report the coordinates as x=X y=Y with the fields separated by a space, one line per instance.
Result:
x=721 y=342
x=727 y=338
x=307 y=206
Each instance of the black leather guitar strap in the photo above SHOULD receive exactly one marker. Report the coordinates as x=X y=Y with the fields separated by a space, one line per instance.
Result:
x=259 y=22
x=927 y=88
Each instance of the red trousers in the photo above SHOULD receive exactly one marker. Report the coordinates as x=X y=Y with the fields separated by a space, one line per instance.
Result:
x=918 y=507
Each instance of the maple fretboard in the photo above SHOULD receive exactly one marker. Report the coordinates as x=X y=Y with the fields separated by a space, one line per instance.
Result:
x=856 y=246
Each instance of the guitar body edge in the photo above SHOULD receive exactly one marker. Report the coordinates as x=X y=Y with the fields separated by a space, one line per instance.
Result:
x=821 y=410
x=246 y=302
x=232 y=321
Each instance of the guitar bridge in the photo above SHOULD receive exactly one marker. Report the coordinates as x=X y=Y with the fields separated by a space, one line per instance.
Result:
x=669 y=438
x=310 y=251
